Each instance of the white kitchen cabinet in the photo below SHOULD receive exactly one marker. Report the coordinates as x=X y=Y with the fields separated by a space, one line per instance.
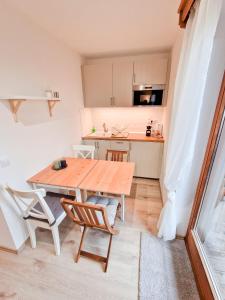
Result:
x=122 y=84
x=151 y=71
x=147 y=157
x=120 y=145
x=97 y=79
x=103 y=145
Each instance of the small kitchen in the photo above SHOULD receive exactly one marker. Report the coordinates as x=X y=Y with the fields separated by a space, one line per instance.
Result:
x=125 y=100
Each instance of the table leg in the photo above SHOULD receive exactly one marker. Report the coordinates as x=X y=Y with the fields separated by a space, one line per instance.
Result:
x=123 y=208
x=34 y=186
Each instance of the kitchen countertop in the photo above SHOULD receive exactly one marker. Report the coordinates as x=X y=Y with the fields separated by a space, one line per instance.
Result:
x=138 y=137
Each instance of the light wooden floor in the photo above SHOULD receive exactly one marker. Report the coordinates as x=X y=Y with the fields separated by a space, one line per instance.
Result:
x=38 y=274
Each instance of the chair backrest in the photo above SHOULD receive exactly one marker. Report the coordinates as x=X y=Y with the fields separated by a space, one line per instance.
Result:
x=117 y=155
x=86 y=214
x=84 y=151
x=26 y=200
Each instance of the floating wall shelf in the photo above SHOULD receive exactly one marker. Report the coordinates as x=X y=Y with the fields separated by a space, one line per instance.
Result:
x=16 y=101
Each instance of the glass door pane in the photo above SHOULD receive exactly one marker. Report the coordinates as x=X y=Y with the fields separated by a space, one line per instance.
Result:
x=209 y=230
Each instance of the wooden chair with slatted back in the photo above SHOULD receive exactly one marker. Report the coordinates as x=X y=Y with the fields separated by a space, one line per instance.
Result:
x=117 y=155
x=89 y=215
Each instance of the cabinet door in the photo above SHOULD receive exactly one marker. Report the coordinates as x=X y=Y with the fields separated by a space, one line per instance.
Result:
x=97 y=80
x=151 y=71
x=148 y=159
x=122 y=83
x=120 y=145
x=102 y=149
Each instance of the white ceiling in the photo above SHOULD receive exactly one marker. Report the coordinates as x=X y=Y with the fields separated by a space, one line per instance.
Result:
x=104 y=27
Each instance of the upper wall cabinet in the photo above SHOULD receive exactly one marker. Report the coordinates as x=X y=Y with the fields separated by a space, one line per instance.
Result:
x=151 y=71
x=109 y=82
x=97 y=80
x=122 y=83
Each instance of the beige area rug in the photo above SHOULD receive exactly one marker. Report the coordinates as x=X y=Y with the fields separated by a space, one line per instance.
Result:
x=165 y=270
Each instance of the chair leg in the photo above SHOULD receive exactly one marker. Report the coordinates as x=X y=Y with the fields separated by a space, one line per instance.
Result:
x=81 y=243
x=123 y=208
x=56 y=239
x=108 y=253
x=84 y=195
x=31 y=230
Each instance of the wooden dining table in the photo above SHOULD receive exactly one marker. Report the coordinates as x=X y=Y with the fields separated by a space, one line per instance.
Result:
x=89 y=175
x=110 y=177
x=65 y=179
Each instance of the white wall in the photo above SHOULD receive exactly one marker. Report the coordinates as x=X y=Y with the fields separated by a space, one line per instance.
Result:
x=167 y=114
x=134 y=118
x=30 y=62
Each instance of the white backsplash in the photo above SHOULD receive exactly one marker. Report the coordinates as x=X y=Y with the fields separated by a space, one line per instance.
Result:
x=134 y=118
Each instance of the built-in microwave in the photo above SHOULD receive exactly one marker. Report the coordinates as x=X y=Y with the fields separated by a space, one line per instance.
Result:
x=148 y=94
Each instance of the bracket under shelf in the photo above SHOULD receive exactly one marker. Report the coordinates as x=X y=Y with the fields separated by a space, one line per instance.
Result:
x=51 y=104
x=14 y=106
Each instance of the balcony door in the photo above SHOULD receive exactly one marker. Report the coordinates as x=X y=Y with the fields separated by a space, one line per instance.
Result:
x=206 y=233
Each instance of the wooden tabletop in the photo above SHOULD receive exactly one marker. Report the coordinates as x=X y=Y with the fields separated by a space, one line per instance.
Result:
x=69 y=177
x=135 y=137
x=109 y=177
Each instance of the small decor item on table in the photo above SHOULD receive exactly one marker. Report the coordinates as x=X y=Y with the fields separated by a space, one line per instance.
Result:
x=59 y=165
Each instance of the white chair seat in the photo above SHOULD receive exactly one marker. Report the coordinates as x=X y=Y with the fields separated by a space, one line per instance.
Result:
x=53 y=202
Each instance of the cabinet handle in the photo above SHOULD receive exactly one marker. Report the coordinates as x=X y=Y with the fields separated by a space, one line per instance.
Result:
x=134 y=77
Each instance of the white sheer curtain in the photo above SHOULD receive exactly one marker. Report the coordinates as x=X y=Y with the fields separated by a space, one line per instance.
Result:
x=188 y=100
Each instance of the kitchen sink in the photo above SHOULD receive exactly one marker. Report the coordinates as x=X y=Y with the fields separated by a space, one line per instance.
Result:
x=101 y=134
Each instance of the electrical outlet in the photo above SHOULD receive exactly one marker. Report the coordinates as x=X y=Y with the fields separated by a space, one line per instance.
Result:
x=4 y=161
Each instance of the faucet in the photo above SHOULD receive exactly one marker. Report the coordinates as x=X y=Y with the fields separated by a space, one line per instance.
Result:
x=104 y=127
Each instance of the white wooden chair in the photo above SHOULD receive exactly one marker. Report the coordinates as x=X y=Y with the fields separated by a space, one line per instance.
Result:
x=40 y=209
x=84 y=151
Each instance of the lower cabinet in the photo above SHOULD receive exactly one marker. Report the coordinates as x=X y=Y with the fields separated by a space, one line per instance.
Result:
x=147 y=156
